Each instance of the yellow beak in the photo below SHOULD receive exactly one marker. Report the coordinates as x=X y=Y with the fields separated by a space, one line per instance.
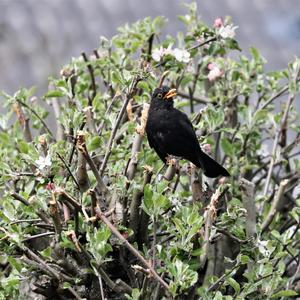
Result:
x=171 y=93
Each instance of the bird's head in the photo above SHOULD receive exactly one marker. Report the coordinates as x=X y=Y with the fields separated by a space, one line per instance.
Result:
x=164 y=93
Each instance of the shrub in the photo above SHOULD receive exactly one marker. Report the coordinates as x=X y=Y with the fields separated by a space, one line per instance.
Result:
x=87 y=211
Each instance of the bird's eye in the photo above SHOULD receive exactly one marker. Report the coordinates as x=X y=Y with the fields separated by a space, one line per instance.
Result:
x=159 y=95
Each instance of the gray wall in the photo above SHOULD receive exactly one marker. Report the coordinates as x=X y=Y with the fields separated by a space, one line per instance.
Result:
x=38 y=36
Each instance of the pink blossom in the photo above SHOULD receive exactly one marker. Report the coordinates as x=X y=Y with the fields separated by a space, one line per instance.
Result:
x=206 y=148
x=50 y=186
x=218 y=22
x=214 y=73
x=210 y=66
x=222 y=180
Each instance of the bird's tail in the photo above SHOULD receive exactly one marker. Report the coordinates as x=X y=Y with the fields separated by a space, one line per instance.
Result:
x=210 y=167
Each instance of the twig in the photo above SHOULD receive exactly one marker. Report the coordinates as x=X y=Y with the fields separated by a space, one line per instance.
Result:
x=114 y=230
x=68 y=169
x=231 y=236
x=25 y=221
x=247 y=188
x=275 y=144
x=18 y=197
x=90 y=120
x=217 y=284
x=24 y=122
x=91 y=71
x=100 y=282
x=278 y=94
x=209 y=217
x=36 y=114
x=81 y=146
x=136 y=146
x=81 y=174
x=108 y=110
x=199 y=99
x=134 y=219
x=150 y=44
x=37 y=236
x=202 y=44
x=275 y=205
x=154 y=242
x=163 y=77
x=60 y=135
x=71 y=200
x=196 y=185
x=56 y=274
x=117 y=123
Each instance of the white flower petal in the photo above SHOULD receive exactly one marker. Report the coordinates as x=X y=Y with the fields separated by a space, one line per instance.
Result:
x=227 y=31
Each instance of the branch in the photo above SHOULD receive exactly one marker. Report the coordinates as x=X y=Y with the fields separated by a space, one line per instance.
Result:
x=24 y=122
x=276 y=143
x=196 y=185
x=18 y=197
x=69 y=170
x=54 y=213
x=199 y=99
x=247 y=188
x=135 y=217
x=209 y=217
x=117 y=123
x=36 y=114
x=81 y=146
x=90 y=120
x=108 y=110
x=91 y=71
x=115 y=231
x=37 y=236
x=202 y=44
x=136 y=146
x=275 y=205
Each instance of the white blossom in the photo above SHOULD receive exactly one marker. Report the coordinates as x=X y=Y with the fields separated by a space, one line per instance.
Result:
x=158 y=53
x=43 y=162
x=227 y=31
x=181 y=55
x=168 y=50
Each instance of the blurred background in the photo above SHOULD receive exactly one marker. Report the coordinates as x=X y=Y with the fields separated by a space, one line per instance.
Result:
x=37 y=37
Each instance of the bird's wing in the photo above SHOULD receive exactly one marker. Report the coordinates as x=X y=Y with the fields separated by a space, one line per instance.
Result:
x=180 y=138
x=155 y=143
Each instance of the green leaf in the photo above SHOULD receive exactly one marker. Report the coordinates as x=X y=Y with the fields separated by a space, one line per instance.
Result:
x=148 y=199
x=227 y=147
x=54 y=94
x=23 y=146
x=234 y=284
x=244 y=259
x=286 y=293
x=94 y=143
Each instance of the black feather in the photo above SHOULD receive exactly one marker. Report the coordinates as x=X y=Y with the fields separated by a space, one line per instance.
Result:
x=170 y=132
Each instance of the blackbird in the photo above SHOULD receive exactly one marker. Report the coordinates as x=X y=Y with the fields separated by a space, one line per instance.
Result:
x=170 y=132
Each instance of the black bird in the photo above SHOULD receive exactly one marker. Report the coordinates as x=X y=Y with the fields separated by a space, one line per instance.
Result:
x=170 y=132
